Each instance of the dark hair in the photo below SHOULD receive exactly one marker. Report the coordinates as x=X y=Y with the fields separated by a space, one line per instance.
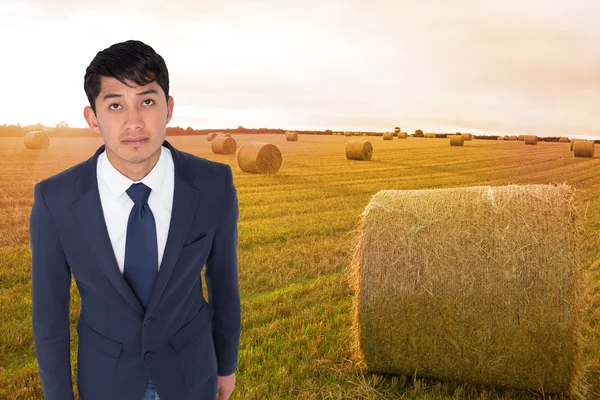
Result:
x=132 y=60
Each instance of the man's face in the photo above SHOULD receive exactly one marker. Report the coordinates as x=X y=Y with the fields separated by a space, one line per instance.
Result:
x=132 y=120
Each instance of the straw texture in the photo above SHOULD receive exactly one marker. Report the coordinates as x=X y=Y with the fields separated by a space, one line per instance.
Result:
x=359 y=150
x=457 y=140
x=583 y=148
x=477 y=284
x=36 y=140
x=223 y=144
x=259 y=158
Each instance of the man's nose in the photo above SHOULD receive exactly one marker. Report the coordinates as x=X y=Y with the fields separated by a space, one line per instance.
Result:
x=133 y=119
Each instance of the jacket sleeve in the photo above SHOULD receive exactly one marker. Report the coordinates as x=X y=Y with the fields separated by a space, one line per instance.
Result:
x=51 y=281
x=221 y=277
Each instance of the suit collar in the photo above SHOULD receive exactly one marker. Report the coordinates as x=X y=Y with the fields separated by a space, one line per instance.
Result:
x=88 y=180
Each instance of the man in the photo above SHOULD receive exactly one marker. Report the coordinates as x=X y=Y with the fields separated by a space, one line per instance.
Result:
x=135 y=224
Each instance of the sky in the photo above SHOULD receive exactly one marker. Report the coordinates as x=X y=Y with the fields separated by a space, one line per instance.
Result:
x=480 y=66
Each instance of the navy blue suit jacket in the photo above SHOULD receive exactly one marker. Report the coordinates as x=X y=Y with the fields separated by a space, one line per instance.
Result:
x=180 y=341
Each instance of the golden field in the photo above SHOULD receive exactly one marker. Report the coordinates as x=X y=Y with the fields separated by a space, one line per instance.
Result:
x=295 y=234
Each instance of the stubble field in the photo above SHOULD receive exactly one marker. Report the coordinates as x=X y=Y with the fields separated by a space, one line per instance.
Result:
x=295 y=234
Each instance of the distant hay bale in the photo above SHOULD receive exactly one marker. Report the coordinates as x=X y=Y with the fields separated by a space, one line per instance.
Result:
x=356 y=133
x=521 y=138
x=563 y=139
x=467 y=136
x=476 y=284
x=388 y=136
x=347 y=133
x=359 y=150
x=38 y=140
x=402 y=135
x=500 y=138
x=429 y=135
x=223 y=144
x=584 y=148
x=457 y=140
x=531 y=139
x=291 y=136
x=576 y=140
x=259 y=158
x=211 y=136
x=513 y=138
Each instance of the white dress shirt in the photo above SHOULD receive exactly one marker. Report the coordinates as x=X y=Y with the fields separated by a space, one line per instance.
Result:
x=117 y=205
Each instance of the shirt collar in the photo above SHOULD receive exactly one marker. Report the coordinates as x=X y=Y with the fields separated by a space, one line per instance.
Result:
x=119 y=183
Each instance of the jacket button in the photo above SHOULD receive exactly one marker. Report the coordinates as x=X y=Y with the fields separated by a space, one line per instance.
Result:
x=148 y=355
x=147 y=322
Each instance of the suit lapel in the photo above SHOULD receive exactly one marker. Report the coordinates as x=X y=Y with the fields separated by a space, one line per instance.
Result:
x=89 y=214
x=185 y=199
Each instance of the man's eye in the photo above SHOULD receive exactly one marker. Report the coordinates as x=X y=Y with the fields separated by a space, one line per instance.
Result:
x=111 y=106
x=149 y=100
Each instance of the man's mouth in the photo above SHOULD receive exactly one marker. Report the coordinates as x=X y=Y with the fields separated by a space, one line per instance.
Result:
x=135 y=141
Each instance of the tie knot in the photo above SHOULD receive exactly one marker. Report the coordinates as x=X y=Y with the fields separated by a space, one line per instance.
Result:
x=139 y=193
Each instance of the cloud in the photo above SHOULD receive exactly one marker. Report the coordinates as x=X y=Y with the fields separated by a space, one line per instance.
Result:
x=505 y=65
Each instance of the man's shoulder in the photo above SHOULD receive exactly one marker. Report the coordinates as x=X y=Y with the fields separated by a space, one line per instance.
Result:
x=63 y=181
x=204 y=168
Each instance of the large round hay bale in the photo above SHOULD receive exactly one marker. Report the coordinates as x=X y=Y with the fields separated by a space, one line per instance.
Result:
x=513 y=138
x=467 y=136
x=259 y=158
x=531 y=139
x=211 y=136
x=402 y=135
x=457 y=140
x=291 y=136
x=38 y=140
x=476 y=284
x=563 y=139
x=583 y=148
x=222 y=144
x=359 y=150
x=521 y=138
x=388 y=136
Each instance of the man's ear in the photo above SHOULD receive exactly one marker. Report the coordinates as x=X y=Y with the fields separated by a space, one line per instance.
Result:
x=91 y=119
x=170 y=104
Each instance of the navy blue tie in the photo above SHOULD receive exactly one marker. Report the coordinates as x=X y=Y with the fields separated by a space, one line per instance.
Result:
x=141 y=249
